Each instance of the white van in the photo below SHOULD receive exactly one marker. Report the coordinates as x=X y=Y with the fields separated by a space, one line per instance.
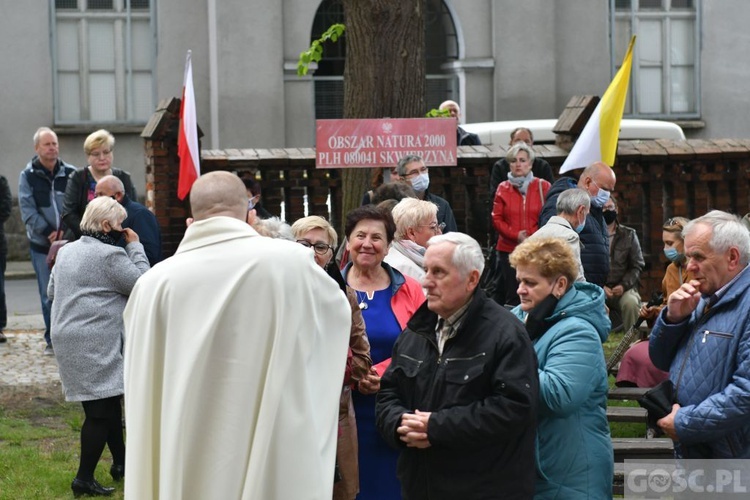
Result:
x=498 y=133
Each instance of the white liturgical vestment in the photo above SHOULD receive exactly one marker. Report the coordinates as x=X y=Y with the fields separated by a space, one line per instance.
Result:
x=235 y=350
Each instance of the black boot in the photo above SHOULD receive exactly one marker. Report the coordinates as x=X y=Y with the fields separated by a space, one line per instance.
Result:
x=117 y=472
x=89 y=488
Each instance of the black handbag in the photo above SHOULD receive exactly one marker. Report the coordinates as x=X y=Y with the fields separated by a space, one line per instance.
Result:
x=658 y=401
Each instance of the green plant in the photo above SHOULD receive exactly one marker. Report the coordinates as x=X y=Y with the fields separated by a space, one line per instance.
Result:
x=315 y=52
x=438 y=113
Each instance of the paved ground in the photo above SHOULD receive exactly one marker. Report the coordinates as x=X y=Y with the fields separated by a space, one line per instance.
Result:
x=21 y=361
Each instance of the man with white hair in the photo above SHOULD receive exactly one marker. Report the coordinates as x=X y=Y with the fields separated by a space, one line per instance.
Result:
x=460 y=396
x=234 y=355
x=463 y=138
x=573 y=207
x=598 y=180
x=702 y=337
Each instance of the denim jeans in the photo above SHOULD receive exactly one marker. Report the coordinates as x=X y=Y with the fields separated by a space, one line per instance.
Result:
x=39 y=261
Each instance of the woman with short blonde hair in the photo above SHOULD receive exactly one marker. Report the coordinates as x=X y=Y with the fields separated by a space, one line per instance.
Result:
x=81 y=188
x=89 y=287
x=416 y=222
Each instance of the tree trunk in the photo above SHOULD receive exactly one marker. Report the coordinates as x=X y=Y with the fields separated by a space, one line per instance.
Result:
x=384 y=76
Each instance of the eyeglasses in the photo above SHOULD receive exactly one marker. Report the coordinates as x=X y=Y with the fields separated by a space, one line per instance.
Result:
x=416 y=172
x=252 y=201
x=319 y=248
x=101 y=154
x=434 y=226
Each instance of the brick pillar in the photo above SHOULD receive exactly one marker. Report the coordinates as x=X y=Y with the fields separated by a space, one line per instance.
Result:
x=162 y=172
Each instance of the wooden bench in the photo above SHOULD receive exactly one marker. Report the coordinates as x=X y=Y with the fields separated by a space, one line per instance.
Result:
x=629 y=393
x=626 y=414
x=642 y=448
x=618 y=481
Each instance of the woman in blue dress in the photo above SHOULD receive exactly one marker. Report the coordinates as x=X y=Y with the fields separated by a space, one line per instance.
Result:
x=387 y=299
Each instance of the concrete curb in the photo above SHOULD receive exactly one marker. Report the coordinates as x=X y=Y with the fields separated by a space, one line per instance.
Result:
x=19 y=270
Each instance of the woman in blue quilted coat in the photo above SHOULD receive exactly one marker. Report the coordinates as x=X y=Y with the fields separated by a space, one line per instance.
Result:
x=567 y=323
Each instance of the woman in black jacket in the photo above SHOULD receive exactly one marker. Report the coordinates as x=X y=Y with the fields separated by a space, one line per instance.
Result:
x=82 y=183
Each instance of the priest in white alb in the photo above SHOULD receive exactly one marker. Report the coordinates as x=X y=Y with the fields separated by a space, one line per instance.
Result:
x=235 y=350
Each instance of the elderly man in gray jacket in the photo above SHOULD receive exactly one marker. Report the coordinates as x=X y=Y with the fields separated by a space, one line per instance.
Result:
x=572 y=206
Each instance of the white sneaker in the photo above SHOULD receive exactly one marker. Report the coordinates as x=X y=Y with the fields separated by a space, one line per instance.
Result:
x=48 y=351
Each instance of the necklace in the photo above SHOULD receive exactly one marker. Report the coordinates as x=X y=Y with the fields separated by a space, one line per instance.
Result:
x=361 y=296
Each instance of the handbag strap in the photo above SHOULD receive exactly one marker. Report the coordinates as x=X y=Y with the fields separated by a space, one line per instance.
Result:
x=60 y=228
x=541 y=194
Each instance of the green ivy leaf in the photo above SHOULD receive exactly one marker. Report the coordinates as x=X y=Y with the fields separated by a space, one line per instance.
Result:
x=315 y=52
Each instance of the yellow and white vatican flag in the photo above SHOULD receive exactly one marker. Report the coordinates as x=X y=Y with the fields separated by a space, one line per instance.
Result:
x=598 y=141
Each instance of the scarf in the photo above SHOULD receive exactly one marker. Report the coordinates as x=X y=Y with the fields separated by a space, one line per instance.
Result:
x=101 y=236
x=414 y=252
x=521 y=183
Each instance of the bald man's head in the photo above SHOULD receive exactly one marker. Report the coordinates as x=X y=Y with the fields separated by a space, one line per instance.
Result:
x=597 y=176
x=218 y=194
x=109 y=185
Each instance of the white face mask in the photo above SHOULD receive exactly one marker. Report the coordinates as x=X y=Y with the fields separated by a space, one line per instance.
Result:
x=421 y=182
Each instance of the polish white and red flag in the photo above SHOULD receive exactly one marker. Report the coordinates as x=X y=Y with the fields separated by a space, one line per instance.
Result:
x=187 y=139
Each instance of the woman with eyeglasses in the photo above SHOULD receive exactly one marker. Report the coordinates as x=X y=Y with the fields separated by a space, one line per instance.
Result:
x=387 y=299
x=317 y=234
x=416 y=222
x=81 y=188
x=515 y=215
x=636 y=368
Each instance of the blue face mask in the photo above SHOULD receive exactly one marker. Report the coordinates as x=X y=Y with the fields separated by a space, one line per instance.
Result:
x=672 y=254
x=601 y=198
x=580 y=226
x=421 y=182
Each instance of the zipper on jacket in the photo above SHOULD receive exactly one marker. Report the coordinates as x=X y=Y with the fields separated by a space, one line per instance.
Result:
x=417 y=361
x=706 y=333
x=481 y=354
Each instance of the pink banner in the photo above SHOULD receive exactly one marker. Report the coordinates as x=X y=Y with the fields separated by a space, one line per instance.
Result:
x=382 y=142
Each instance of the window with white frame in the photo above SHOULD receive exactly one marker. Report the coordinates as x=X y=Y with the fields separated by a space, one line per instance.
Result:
x=103 y=60
x=665 y=82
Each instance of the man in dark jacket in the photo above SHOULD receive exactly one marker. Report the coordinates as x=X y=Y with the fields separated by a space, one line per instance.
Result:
x=411 y=169
x=625 y=266
x=598 y=180
x=463 y=138
x=41 y=189
x=460 y=396
x=139 y=219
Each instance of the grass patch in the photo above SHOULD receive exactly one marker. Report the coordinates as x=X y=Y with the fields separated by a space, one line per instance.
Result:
x=39 y=450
